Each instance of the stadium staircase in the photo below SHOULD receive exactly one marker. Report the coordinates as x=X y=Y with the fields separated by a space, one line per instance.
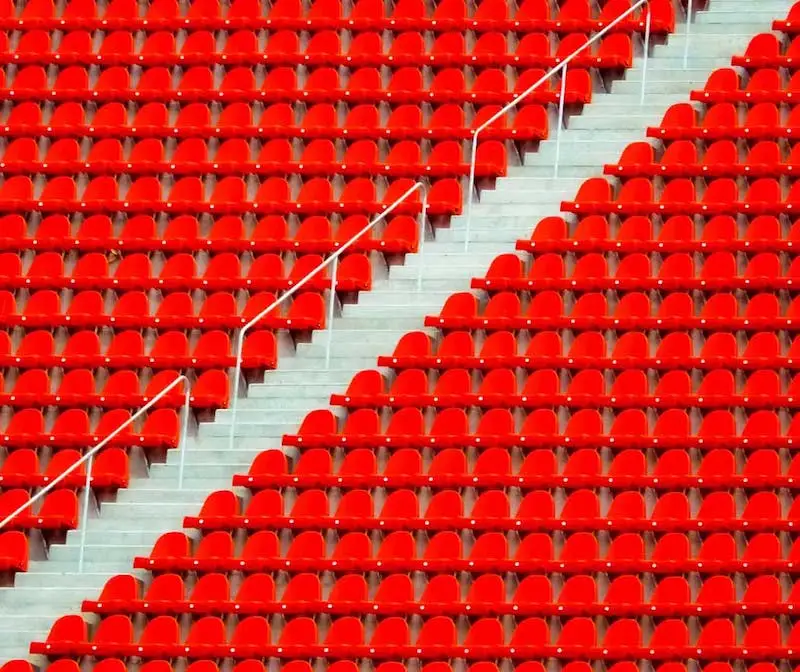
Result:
x=363 y=330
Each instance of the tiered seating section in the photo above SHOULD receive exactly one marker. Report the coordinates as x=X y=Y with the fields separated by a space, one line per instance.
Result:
x=594 y=461
x=178 y=167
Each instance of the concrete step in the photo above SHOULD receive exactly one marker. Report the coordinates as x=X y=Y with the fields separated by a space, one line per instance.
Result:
x=483 y=223
x=400 y=299
x=732 y=20
x=203 y=473
x=434 y=259
x=612 y=122
x=197 y=477
x=59 y=573
x=332 y=376
x=41 y=574
x=514 y=195
x=287 y=399
x=532 y=169
x=102 y=552
x=657 y=88
x=509 y=233
x=221 y=452
x=61 y=599
x=659 y=61
x=151 y=492
x=448 y=268
x=404 y=311
x=537 y=184
x=252 y=430
x=630 y=100
x=479 y=246
x=582 y=150
x=309 y=369
x=27 y=622
x=122 y=537
x=140 y=511
x=658 y=75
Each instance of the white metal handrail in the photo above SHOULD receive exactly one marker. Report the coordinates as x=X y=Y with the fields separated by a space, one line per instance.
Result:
x=89 y=457
x=332 y=259
x=558 y=68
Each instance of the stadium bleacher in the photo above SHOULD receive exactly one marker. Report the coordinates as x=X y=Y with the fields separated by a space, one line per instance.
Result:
x=587 y=462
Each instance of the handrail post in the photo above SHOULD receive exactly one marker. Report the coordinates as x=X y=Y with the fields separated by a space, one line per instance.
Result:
x=187 y=409
x=237 y=372
x=560 y=122
x=84 y=520
x=292 y=291
x=646 y=53
x=421 y=244
x=471 y=185
x=688 y=34
x=93 y=451
x=331 y=308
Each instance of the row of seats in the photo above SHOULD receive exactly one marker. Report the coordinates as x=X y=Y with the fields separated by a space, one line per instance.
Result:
x=266 y=272
x=73 y=428
x=767 y=85
x=211 y=350
x=680 y=196
x=640 y=271
x=492 y=510
x=176 y=310
x=323 y=48
x=631 y=428
x=272 y=233
x=672 y=311
x=122 y=389
x=398 y=551
x=21 y=469
x=685 y=121
x=573 y=15
x=593 y=349
x=117 y=665
x=767 y=50
x=681 y=158
x=586 y=388
x=58 y=510
x=281 y=84
x=437 y=638
x=442 y=594
x=187 y=194
x=676 y=233
x=280 y=120
x=234 y=156
x=492 y=468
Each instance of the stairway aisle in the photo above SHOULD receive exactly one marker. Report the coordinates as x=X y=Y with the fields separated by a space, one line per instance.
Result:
x=371 y=327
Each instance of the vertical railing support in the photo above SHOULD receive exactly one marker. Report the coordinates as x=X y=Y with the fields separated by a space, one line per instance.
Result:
x=423 y=215
x=646 y=54
x=331 y=308
x=688 y=34
x=471 y=184
x=187 y=409
x=84 y=515
x=560 y=123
